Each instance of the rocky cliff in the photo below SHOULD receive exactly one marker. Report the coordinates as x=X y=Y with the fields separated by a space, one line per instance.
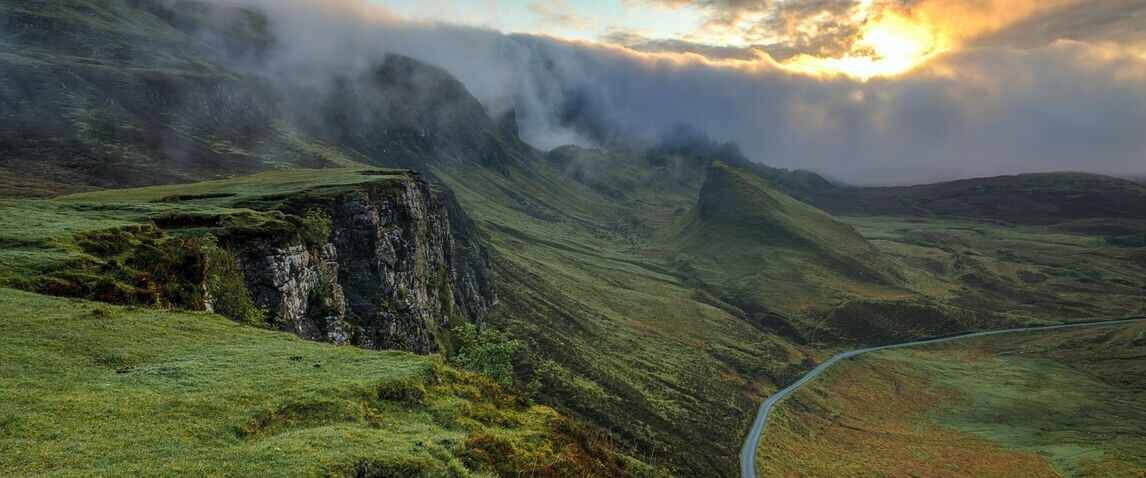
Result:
x=402 y=263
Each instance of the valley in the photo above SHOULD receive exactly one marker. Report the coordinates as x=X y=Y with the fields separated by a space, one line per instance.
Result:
x=218 y=259
x=1057 y=403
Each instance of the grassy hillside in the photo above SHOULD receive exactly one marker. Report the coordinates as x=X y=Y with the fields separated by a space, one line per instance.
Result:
x=661 y=293
x=1051 y=404
x=42 y=237
x=644 y=315
x=90 y=389
x=765 y=251
x=619 y=336
x=1020 y=272
x=1047 y=198
x=661 y=322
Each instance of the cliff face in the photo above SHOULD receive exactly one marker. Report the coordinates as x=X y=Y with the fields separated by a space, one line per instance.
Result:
x=401 y=265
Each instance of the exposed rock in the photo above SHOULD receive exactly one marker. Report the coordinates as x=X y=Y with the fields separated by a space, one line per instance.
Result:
x=401 y=266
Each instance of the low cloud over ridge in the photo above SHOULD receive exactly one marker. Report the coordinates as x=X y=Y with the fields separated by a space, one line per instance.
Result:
x=993 y=107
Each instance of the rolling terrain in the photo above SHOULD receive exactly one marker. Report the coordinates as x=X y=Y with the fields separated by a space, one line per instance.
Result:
x=604 y=312
x=1048 y=404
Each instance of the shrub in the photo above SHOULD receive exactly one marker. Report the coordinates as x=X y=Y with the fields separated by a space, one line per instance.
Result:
x=316 y=227
x=489 y=352
x=227 y=287
x=132 y=265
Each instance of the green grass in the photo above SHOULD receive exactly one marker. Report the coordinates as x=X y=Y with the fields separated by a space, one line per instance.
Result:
x=1027 y=273
x=89 y=389
x=587 y=278
x=668 y=328
x=1032 y=199
x=765 y=252
x=227 y=192
x=1069 y=399
x=41 y=235
x=642 y=316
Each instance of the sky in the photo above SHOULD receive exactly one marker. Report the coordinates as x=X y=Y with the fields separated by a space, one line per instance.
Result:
x=573 y=19
x=864 y=91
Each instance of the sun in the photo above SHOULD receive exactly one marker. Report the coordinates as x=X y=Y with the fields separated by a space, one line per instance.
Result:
x=887 y=47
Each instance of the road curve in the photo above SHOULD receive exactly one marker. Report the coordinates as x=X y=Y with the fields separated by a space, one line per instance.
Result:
x=748 y=452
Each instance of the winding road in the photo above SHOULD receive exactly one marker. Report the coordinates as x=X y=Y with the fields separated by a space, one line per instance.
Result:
x=752 y=443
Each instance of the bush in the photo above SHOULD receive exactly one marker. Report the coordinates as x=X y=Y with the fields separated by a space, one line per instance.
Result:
x=228 y=289
x=489 y=352
x=316 y=227
x=132 y=265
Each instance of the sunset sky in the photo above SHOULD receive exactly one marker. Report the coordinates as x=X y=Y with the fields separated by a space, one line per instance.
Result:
x=872 y=91
x=859 y=38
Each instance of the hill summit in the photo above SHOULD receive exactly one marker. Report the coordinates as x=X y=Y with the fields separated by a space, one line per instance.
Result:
x=737 y=205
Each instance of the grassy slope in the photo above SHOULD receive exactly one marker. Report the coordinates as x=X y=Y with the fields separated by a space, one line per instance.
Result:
x=1022 y=272
x=768 y=251
x=666 y=338
x=40 y=235
x=626 y=341
x=631 y=317
x=1062 y=403
x=89 y=389
x=1043 y=198
x=657 y=319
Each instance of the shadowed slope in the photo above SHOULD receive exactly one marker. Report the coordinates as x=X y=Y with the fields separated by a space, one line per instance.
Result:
x=128 y=93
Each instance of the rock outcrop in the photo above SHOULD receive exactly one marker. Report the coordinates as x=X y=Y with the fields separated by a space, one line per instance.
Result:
x=402 y=264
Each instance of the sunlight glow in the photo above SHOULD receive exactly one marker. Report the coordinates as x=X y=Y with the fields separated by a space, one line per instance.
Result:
x=889 y=46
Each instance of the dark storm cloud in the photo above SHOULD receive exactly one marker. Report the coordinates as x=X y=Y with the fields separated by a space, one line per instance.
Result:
x=986 y=110
x=1120 y=21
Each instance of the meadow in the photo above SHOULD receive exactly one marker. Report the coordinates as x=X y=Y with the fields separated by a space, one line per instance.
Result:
x=1061 y=403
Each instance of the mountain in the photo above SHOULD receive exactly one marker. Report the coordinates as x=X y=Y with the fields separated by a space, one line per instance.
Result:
x=631 y=305
x=128 y=93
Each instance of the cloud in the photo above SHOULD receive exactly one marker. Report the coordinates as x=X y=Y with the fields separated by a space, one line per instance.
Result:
x=835 y=28
x=1114 y=21
x=558 y=13
x=984 y=109
x=637 y=42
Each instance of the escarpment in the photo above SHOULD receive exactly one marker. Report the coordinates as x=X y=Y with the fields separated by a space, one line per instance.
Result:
x=400 y=264
x=379 y=259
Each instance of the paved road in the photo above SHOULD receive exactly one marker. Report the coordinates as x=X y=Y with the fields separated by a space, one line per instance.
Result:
x=748 y=452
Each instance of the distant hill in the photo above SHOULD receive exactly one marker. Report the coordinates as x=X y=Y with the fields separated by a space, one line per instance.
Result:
x=775 y=260
x=736 y=203
x=1044 y=198
x=1039 y=198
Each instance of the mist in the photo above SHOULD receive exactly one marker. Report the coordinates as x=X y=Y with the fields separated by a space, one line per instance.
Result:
x=987 y=110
